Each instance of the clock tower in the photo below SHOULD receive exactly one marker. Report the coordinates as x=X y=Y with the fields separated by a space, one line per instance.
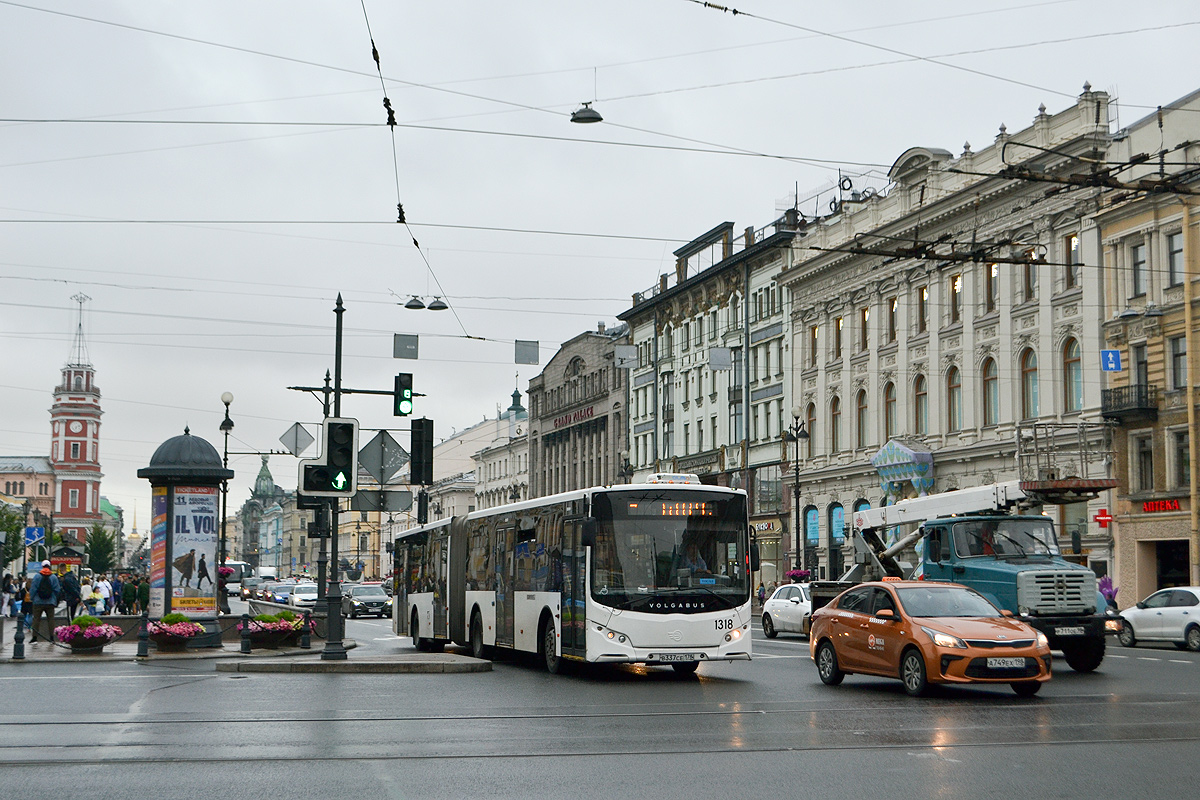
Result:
x=75 y=443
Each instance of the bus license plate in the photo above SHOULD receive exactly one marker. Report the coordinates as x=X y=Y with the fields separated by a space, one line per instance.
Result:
x=1074 y=630
x=667 y=657
x=1006 y=663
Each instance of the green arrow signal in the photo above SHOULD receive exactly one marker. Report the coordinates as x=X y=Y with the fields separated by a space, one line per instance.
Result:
x=339 y=482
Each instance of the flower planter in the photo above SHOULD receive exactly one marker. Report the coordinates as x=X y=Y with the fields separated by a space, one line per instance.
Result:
x=86 y=645
x=86 y=635
x=169 y=643
x=269 y=639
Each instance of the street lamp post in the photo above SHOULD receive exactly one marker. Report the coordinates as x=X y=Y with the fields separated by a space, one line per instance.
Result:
x=796 y=433
x=226 y=427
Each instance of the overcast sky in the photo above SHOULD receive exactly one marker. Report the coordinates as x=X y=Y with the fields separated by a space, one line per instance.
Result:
x=212 y=253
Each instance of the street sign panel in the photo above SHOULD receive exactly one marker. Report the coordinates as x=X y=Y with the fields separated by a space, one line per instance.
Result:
x=296 y=439
x=404 y=345
x=625 y=356
x=34 y=536
x=1110 y=360
x=526 y=351
x=382 y=457
x=381 y=500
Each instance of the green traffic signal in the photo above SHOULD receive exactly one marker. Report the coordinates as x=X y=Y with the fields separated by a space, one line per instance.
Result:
x=402 y=395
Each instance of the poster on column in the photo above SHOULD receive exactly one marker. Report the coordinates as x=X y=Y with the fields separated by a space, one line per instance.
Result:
x=194 y=551
x=158 y=552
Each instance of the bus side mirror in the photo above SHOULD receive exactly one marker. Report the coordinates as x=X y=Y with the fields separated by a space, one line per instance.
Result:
x=755 y=562
x=935 y=549
x=588 y=534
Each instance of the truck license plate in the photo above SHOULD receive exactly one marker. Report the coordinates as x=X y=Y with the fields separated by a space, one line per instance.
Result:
x=666 y=657
x=1073 y=630
x=1006 y=663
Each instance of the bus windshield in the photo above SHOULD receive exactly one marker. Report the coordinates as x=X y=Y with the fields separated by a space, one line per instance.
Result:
x=658 y=542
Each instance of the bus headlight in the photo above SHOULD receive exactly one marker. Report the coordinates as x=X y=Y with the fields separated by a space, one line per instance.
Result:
x=733 y=636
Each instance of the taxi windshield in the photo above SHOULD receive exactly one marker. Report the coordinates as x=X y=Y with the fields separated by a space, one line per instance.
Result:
x=944 y=601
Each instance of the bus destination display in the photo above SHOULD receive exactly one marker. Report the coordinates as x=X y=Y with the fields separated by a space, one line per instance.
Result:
x=671 y=508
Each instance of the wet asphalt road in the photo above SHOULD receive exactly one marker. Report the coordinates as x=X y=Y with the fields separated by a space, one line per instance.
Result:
x=180 y=730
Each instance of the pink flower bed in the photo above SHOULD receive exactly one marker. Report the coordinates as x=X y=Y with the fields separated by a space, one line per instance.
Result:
x=183 y=629
x=97 y=633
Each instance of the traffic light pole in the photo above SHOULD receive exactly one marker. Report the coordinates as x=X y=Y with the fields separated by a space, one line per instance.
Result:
x=335 y=650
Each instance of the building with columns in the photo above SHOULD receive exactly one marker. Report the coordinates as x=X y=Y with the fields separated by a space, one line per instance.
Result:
x=934 y=322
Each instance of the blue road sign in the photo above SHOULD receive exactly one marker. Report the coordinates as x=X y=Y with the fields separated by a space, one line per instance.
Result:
x=1110 y=360
x=34 y=536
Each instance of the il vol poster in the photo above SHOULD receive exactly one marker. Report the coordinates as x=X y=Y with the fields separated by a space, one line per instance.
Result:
x=194 y=541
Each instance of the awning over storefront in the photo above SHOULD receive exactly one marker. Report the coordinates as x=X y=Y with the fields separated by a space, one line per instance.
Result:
x=899 y=461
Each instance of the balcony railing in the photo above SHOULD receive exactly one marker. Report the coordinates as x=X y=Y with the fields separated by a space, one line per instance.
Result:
x=1139 y=400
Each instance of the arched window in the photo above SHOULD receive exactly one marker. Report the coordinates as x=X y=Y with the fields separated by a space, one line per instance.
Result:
x=837 y=524
x=1072 y=377
x=1029 y=384
x=812 y=531
x=954 y=416
x=920 y=405
x=889 y=411
x=861 y=422
x=811 y=419
x=991 y=393
x=835 y=425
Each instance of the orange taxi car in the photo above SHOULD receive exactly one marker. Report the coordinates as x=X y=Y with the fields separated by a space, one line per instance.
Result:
x=924 y=632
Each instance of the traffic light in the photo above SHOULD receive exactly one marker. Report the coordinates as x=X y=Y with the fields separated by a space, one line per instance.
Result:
x=402 y=397
x=335 y=473
x=421 y=452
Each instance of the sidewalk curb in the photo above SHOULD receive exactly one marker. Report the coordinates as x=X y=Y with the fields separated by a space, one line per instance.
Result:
x=455 y=665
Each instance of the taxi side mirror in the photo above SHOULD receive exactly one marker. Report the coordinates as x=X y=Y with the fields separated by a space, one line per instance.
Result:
x=1141 y=604
x=1006 y=612
x=885 y=613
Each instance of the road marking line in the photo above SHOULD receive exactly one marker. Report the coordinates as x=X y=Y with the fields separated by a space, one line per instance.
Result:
x=1180 y=661
x=1144 y=658
x=1115 y=656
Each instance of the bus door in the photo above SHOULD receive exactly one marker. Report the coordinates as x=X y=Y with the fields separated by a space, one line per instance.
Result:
x=441 y=568
x=573 y=591
x=506 y=573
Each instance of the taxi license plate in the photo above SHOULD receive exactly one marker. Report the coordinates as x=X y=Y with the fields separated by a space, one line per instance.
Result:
x=666 y=657
x=1006 y=663
x=1074 y=630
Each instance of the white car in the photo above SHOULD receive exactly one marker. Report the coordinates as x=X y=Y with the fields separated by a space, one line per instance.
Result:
x=1168 y=615
x=303 y=595
x=788 y=610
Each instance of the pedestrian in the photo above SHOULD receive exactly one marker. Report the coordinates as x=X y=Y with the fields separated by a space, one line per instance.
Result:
x=44 y=592
x=71 y=593
x=89 y=595
x=104 y=588
x=117 y=601
x=143 y=595
x=762 y=592
x=129 y=596
x=7 y=590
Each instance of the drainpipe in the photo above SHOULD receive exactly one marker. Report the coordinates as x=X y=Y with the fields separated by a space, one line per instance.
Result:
x=1189 y=258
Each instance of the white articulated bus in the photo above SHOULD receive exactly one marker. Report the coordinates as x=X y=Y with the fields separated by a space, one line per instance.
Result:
x=653 y=573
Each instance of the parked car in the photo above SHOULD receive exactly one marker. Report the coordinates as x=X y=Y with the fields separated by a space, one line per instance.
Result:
x=250 y=587
x=787 y=610
x=924 y=632
x=1168 y=615
x=303 y=595
x=366 y=598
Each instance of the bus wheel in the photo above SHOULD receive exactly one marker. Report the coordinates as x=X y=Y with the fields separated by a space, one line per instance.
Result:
x=685 y=667
x=413 y=628
x=549 y=646
x=478 y=649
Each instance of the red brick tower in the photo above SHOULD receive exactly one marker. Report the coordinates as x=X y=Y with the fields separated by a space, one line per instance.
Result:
x=75 y=443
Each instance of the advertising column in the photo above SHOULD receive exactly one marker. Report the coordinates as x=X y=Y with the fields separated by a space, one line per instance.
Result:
x=158 y=552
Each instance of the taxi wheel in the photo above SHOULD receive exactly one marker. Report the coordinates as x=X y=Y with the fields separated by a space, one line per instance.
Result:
x=827 y=665
x=1126 y=637
x=1026 y=688
x=912 y=672
x=769 y=627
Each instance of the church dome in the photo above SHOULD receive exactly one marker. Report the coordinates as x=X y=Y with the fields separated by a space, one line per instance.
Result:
x=186 y=456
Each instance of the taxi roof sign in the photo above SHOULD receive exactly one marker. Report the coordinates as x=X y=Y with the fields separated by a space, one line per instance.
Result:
x=673 y=477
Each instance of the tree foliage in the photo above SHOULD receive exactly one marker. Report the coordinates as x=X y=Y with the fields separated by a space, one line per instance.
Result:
x=12 y=523
x=101 y=550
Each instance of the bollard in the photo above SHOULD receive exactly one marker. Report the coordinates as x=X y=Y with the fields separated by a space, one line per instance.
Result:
x=143 y=650
x=245 y=633
x=305 y=641
x=19 y=637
